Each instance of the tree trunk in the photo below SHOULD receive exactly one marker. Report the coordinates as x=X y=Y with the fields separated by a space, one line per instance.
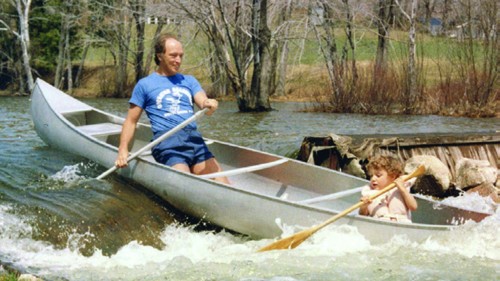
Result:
x=429 y=10
x=139 y=12
x=283 y=62
x=412 y=65
x=123 y=41
x=23 y=10
x=151 y=53
x=60 y=57
x=350 y=41
x=68 y=60
x=384 y=15
x=82 y=63
x=445 y=12
x=257 y=99
x=328 y=46
x=411 y=78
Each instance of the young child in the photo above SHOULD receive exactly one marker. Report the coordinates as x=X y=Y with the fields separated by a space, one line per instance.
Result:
x=394 y=205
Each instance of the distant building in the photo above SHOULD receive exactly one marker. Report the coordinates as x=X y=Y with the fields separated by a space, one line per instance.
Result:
x=435 y=26
x=156 y=13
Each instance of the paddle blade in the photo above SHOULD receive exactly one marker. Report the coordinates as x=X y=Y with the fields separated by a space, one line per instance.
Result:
x=289 y=242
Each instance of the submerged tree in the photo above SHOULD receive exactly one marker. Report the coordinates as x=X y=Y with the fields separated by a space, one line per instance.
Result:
x=258 y=97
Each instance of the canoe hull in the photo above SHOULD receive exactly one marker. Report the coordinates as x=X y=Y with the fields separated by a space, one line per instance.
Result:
x=252 y=205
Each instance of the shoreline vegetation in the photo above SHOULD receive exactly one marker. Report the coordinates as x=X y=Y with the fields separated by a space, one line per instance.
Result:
x=309 y=84
x=336 y=64
x=443 y=90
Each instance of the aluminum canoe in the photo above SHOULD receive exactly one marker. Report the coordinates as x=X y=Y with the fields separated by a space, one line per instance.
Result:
x=265 y=188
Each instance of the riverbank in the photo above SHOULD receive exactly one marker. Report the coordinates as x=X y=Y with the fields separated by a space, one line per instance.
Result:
x=310 y=84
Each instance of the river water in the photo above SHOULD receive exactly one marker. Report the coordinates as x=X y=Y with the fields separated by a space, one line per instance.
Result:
x=58 y=223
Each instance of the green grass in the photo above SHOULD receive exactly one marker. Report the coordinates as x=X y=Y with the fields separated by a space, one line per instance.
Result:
x=307 y=52
x=8 y=277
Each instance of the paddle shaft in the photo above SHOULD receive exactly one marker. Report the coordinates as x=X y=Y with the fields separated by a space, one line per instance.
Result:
x=166 y=135
x=296 y=239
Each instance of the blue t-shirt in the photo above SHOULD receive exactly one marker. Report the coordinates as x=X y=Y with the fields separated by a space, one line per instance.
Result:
x=167 y=100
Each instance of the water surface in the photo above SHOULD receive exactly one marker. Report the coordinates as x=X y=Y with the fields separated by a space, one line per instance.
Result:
x=59 y=223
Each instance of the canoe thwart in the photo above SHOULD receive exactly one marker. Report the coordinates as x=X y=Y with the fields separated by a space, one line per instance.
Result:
x=331 y=196
x=244 y=169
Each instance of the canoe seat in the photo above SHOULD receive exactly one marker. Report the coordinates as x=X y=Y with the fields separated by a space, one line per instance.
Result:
x=101 y=129
x=247 y=169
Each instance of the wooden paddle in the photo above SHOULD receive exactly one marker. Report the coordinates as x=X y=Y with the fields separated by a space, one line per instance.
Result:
x=293 y=241
x=169 y=133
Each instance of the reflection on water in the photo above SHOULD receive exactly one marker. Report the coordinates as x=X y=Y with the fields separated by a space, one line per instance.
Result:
x=58 y=222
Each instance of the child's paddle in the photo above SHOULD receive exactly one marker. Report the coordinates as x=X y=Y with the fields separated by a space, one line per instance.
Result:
x=293 y=241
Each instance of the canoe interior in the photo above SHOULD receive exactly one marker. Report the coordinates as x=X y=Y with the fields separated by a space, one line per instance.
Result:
x=106 y=128
x=290 y=180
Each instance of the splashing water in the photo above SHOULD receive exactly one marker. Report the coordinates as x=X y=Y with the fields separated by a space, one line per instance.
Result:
x=472 y=201
x=339 y=251
x=194 y=255
x=71 y=173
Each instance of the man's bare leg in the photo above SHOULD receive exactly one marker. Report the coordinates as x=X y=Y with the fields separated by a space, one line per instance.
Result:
x=208 y=167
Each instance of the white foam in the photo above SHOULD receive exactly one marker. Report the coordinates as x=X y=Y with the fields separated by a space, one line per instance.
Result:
x=472 y=201
x=186 y=249
x=69 y=173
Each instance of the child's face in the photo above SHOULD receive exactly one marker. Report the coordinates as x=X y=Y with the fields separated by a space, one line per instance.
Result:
x=380 y=178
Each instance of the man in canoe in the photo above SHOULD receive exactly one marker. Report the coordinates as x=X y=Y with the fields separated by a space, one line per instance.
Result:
x=167 y=97
x=395 y=205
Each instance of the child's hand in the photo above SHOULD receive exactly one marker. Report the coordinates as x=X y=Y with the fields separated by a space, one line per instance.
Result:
x=400 y=183
x=365 y=199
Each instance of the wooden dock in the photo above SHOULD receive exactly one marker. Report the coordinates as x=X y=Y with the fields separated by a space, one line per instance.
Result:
x=337 y=151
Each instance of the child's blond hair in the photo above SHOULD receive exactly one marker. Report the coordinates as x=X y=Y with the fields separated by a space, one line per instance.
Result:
x=389 y=162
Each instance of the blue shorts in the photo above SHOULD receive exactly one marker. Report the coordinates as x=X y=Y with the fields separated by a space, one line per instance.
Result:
x=185 y=146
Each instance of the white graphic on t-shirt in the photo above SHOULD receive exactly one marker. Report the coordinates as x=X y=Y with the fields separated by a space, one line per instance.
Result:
x=173 y=101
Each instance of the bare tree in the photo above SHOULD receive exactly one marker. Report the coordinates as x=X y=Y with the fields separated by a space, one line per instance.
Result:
x=258 y=97
x=328 y=47
x=21 y=32
x=283 y=45
x=350 y=46
x=412 y=54
x=70 y=13
x=479 y=75
x=139 y=13
x=445 y=13
x=239 y=37
x=385 y=13
x=342 y=76
x=114 y=28
x=429 y=8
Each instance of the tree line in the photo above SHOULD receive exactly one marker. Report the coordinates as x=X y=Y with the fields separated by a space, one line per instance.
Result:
x=248 y=45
